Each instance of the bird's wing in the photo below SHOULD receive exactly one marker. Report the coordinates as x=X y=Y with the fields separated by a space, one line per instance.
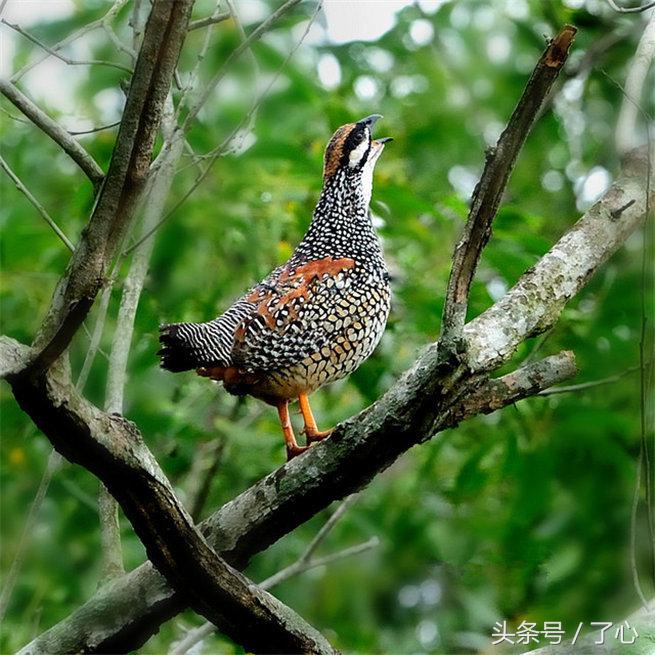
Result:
x=294 y=312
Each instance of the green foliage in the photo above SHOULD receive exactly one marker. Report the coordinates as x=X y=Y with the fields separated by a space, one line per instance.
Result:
x=520 y=515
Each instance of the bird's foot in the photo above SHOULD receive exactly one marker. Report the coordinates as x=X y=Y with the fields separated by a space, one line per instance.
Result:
x=316 y=435
x=294 y=451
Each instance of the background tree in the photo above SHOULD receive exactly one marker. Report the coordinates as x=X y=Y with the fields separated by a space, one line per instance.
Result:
x=527 y=512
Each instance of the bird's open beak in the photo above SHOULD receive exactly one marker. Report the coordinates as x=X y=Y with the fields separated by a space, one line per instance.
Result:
x=370 y=121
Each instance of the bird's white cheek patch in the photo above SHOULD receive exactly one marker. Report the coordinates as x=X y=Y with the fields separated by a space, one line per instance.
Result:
x=357 y=154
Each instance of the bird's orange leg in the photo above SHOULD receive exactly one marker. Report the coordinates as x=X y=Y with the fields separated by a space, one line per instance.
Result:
x=311 y=430
x=293 y=448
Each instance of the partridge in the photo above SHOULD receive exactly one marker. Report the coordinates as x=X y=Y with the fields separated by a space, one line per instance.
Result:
x=315 y=318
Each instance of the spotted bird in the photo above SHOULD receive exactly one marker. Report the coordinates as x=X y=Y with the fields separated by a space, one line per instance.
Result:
x=314 y=319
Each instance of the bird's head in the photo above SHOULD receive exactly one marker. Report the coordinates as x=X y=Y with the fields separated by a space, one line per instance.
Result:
x=353 y=150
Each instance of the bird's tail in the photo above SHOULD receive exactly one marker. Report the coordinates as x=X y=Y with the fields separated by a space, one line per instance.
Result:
x=185 y=346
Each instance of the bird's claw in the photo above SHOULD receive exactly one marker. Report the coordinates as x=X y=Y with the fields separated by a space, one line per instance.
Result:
x=316 y=435
x=294 y=451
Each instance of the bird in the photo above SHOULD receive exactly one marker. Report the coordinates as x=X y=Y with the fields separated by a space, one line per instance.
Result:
x=315 y=318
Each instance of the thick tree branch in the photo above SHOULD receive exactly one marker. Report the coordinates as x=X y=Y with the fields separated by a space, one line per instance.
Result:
x=113 y=450
x=55 y=131
x=488 y=193
x=422 y=401
x=128 y=171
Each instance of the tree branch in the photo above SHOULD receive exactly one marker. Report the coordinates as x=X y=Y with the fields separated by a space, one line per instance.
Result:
x=55 y=131
x=420 y=403
x=489 y=190
x=112 y=449
x=534 y=304
x=529 y=380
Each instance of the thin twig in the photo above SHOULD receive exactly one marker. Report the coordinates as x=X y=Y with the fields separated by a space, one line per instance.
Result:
x=327 y=527
x=214 y=19
x=255 y=35
x=52 y=465
x=114 y=38
x=489 y=190
x=193 y=76
x=78 y=493
x=244 y=38
x=85 y=29
x=18 y=119
x=137 y=22
x=55 y=131
x=588 y=385
x=64 y=58
x=314 y=562
x=94 y=129
x=96 y=335
x=39 y=207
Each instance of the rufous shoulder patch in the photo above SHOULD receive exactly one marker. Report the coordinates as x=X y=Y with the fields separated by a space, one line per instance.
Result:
x=293 y=283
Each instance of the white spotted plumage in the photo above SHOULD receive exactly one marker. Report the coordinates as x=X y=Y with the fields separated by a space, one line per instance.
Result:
x=314 y=319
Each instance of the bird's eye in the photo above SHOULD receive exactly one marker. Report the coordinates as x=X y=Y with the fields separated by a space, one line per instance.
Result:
x=359 y=137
